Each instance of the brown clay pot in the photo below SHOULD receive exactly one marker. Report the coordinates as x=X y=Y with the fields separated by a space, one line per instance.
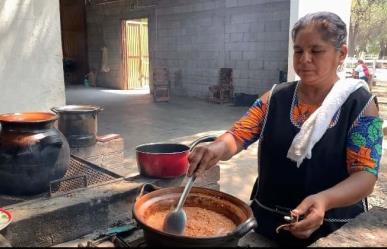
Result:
x=152 y=199
x=32 y=153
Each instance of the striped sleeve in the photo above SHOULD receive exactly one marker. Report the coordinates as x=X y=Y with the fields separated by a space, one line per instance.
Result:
x=248 y=128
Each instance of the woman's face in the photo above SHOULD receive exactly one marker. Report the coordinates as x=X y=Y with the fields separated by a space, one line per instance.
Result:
x=314 y=59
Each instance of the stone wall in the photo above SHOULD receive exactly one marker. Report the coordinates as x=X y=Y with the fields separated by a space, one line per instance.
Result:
x=31 y=71
x=194 y=38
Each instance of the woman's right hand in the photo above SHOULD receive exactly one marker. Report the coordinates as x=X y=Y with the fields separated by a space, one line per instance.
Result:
x=203 y=157
x=206 y=156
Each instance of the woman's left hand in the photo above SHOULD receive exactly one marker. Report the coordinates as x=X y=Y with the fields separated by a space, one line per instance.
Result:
x=313 y=209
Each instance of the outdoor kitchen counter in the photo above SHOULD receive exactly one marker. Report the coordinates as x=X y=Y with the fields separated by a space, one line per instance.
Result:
x=83 y=211
x=367 y=230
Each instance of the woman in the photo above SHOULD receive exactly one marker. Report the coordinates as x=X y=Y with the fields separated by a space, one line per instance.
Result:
x=361 y=71
x=327 y=188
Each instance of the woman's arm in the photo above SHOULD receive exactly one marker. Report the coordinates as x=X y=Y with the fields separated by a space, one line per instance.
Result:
x=356 y=187
x=244 y=132
x=360 y=183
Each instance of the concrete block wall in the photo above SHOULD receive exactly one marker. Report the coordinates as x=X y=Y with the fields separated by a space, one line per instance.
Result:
x=256 y=42
x=195 y=38
x=104 y=29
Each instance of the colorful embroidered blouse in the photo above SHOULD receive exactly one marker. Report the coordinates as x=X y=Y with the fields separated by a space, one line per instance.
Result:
x=364 y=141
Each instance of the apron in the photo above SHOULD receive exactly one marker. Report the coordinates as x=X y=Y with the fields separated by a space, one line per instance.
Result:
x=281 y=186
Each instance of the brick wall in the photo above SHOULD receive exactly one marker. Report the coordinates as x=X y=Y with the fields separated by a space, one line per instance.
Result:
x=194 y=38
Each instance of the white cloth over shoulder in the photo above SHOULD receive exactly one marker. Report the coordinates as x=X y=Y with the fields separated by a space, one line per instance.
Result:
x=315 y=126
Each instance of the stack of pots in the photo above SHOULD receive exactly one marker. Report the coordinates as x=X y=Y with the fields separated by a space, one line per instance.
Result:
x=32 y=153
x=78 y=123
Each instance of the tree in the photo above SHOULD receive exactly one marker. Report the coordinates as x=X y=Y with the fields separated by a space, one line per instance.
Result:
x=368 y=28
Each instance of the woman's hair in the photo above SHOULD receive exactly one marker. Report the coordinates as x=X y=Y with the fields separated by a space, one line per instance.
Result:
x=329 y=25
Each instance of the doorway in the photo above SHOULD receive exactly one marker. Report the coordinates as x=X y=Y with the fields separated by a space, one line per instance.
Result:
x=74 y=41
x=135 y=59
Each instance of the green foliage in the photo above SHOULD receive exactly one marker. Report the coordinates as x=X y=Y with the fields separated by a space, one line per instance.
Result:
x=368 y=27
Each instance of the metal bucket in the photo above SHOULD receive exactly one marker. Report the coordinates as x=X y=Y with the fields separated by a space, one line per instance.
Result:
x=78 y=123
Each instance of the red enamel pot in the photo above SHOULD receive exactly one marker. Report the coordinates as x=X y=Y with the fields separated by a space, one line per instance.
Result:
x=165 y=160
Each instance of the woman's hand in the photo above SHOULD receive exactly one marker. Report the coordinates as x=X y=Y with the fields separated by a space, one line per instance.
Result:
x=313 y=209
x=348 y=192
x=202 y=158
x=205 y=156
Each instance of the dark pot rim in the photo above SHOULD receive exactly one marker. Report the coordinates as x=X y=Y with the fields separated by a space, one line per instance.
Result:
x=77 y=109
x=237 y=233
x=141 y=148
x=28 y=117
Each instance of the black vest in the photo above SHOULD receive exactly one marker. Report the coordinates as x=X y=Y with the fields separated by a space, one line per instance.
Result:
x=281 y=186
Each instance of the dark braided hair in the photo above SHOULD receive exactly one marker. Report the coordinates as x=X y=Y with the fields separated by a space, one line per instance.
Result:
x=329 y=25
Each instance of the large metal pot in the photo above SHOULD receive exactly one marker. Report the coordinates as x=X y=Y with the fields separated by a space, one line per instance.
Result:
x=78 y=123
x=152 y=199
x=32 y=153
x=165 y=160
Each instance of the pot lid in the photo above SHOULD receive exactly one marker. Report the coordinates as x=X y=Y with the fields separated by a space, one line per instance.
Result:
x=28 y=117
x=77 y=108
x=5 y=218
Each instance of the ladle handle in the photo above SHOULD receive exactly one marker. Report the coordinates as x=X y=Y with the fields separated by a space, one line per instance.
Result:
x=204 y=139
x=186 y=190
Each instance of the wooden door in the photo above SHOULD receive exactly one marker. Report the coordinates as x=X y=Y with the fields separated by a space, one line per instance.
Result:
x=135 y=53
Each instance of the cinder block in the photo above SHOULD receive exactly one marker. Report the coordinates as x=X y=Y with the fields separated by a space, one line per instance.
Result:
x=272 y=26
x=237 y=37
x=235 y=55
x=231 y=3
x=256 y=64
x=242 y=64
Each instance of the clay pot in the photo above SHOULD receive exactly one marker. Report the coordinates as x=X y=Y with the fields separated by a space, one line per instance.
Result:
x=32 y=153
x=152 y=199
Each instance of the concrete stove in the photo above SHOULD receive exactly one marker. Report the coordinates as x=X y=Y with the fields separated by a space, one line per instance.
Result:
x=47 y=220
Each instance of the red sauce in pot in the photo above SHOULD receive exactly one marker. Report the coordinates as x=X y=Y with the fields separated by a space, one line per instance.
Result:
x=200 y=222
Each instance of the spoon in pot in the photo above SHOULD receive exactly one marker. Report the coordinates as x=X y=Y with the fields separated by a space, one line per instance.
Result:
x=176 y=219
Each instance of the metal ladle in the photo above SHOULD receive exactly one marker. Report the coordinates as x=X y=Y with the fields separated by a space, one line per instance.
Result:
x=176 y=219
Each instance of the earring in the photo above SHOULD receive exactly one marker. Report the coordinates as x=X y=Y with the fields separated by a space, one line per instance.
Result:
x=340 y=68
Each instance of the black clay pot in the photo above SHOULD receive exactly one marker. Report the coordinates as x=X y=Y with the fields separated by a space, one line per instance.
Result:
x=78 y=123
x=32 y=153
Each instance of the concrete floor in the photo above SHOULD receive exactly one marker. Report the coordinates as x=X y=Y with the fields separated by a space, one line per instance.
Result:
x=139 y=120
